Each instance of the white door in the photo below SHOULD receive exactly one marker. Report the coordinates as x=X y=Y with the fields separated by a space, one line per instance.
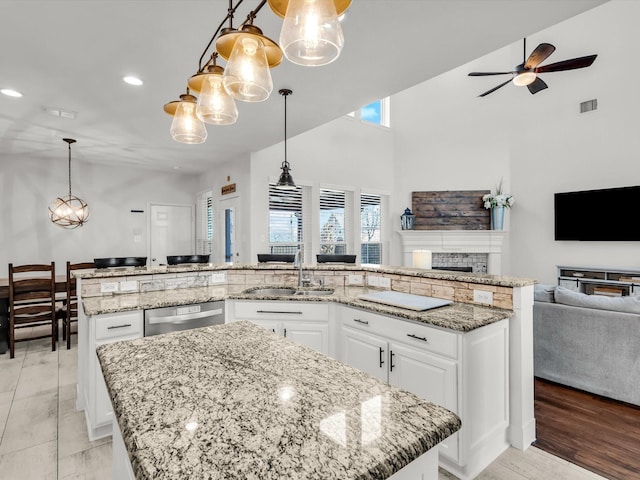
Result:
x=229 y=239
x=171 y=232
x=365 y=352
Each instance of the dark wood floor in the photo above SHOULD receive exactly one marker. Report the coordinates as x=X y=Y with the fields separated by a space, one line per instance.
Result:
x=597 y=433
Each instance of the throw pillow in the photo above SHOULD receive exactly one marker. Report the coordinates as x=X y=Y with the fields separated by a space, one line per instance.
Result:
x=617 y=304
x=544 y=293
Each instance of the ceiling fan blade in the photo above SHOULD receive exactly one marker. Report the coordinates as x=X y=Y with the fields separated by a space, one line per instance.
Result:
x=539 y=55
x=484 y=74
x=537 y=85
x=494 y=88
x=573 y=64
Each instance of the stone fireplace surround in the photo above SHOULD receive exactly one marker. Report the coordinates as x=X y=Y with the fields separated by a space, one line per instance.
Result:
x=461 y=247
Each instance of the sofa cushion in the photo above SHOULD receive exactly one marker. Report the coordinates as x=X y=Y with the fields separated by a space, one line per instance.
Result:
x=618 y=304
x=544 y=293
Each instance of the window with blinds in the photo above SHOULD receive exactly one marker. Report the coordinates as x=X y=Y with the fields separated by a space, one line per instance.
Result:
x=370 y=229
x=204 y=224
x=334 y=222
x=286 y=220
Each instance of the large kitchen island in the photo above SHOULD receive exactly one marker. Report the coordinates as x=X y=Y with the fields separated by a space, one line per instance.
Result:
x=236 y=401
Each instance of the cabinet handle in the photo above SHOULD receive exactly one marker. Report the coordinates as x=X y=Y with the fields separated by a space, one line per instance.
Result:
x=391 y=355
x=424 y=339
x=364 y=322
x=119 y=326
x=285 y=332
x=277 y=311
x=381 y=357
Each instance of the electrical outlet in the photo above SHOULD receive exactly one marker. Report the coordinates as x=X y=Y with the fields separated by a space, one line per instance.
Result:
x=355 y=279
x=129 y=286
x=480 y=296
x=108 y=287
x=217 y=278
x=373 y=280
x=385 y=282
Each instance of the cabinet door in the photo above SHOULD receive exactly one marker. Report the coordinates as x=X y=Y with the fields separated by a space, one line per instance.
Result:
x=365 y=352
x=312 y=335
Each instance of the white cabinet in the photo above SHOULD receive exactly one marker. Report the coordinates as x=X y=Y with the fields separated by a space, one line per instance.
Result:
x=306 y=323
x=466 y=373
x=93 y=397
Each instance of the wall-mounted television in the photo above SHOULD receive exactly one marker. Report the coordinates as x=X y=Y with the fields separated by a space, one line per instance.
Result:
x=598 y=215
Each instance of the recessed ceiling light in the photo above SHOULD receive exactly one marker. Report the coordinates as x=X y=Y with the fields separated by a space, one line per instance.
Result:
x=133 y=80
x=10 y=92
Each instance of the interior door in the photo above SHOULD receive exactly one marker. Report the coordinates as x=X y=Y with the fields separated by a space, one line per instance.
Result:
x=172 y=232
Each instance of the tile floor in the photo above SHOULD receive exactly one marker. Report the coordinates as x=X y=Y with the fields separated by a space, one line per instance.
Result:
x=43 y=437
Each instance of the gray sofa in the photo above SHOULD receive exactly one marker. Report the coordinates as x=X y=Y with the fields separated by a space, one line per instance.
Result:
x=580 y=344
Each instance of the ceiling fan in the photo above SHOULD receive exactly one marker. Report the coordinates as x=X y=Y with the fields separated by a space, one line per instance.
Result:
x=526 y=74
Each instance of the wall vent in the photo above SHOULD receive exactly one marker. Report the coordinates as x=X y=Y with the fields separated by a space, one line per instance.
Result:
x=589 y=105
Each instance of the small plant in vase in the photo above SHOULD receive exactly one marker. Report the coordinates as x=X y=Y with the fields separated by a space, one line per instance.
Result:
x=497 y=202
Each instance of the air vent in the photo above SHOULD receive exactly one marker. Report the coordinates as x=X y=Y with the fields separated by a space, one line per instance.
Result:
x=589 y=105
x=59 y=112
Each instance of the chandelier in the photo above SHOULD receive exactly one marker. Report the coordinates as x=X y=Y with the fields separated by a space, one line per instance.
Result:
x=69 y=211
x=311 y=35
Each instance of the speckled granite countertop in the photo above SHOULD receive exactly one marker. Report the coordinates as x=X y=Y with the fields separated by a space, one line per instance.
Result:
x=461 y=317
x=238 y=402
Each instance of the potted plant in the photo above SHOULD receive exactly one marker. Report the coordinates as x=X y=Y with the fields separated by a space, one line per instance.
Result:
x=497 y=202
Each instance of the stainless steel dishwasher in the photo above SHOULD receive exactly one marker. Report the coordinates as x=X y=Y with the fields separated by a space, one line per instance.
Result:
x=182 y=317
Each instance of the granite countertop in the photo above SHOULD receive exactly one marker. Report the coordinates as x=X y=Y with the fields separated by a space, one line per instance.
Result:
x=238 y=402
x=462 y=317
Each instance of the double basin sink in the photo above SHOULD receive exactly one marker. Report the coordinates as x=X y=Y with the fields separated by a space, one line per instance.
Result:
x=286 y=291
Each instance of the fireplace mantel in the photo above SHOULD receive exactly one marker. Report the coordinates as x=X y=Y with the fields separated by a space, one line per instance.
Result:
x=455 y=241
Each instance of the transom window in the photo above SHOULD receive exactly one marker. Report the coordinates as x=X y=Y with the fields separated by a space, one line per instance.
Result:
x=376 y=113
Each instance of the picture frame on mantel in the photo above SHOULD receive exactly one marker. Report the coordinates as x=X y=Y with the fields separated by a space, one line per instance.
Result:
x=450 y=210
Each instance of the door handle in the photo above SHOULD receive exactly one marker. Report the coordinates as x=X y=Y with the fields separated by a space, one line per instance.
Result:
x=391 y=355
x=381 y=357
x=424 y=339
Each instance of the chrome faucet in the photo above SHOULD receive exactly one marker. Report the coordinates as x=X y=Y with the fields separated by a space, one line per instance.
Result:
x=297 y=262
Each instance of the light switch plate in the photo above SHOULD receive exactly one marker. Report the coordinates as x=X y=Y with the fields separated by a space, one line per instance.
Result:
x=129 y=286
x=355 y=279
x=480 y=296
x=108 y=287
x=217 y=278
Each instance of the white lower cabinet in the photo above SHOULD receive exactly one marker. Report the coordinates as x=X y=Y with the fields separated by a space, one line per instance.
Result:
x=304 y=323
x=93 y=397
x=466 y=373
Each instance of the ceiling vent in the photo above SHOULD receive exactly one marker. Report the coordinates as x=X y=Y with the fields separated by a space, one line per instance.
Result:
x=59 y=112
x=589 y=105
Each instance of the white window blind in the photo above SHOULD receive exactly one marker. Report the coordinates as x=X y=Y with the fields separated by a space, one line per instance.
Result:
x=204 y=223
x=335 y=221
x=287 y=220
x=370 y=229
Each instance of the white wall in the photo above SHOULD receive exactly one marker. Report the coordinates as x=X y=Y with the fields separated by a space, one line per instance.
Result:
x=28 y=186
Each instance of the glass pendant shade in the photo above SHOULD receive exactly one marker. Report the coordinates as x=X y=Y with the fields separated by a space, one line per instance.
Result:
x=186 y=126
x=69 y=211
x=247 y=76
x=311 y=34
x=215 y=106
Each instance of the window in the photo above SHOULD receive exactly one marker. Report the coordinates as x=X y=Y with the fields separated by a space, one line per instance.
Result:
x=376 y=112
x=286 y=222
x=204 y=223
x=370 y=231
x=334 y=222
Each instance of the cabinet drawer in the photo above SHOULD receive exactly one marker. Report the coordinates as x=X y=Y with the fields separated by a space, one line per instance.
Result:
x=281 y=310
x=114 y=326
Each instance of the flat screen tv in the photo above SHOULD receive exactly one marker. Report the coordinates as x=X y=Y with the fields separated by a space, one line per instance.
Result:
x=598 y=215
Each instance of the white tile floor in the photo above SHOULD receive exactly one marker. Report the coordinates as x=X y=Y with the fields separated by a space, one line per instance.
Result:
x=44 y=437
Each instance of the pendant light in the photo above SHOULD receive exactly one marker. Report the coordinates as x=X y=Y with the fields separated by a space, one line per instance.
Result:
x=69 y=211
x=250 y=56
x=215 y=106
x=285 y=182
x=311 y=34
x=186 y=126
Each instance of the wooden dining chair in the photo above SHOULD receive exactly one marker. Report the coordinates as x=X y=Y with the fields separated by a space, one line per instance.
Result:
x=32 y=302
x=72 y=299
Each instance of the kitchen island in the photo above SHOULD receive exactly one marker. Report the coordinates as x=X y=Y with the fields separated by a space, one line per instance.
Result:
x=236 y=401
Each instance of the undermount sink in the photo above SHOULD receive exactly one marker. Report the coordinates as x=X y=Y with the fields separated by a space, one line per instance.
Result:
x=314 y=292
x=272 y=291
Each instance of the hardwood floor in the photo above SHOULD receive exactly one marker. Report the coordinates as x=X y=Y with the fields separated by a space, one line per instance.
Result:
x=597 y=433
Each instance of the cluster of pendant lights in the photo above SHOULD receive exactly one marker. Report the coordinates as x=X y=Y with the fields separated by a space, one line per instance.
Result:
x=69 y=211
x=311 y=35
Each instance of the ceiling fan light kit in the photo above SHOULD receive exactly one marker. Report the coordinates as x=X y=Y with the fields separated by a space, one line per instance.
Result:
x=526 y=74
x=311 y=35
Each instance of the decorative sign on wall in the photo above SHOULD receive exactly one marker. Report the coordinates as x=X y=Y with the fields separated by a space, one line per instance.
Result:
x=227 y=189
x=450 y=210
